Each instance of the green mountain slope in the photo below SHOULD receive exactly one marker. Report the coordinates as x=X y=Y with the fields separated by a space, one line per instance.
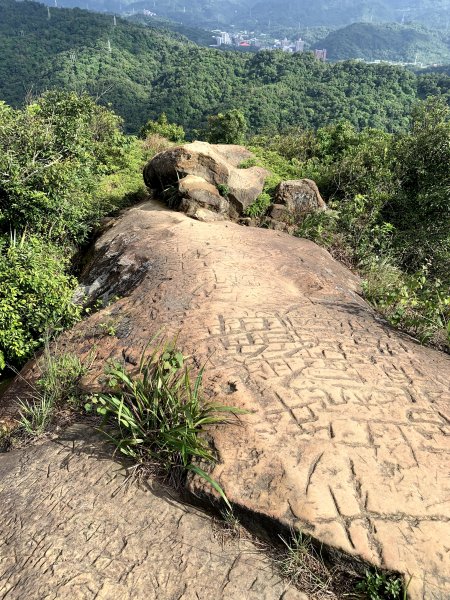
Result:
x=390 y=42
x=145 y=71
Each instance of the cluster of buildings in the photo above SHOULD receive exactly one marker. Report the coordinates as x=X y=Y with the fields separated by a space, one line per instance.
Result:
x=245 y=40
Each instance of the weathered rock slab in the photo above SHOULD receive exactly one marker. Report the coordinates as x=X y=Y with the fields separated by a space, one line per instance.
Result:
x=348 y=438
x=71 y=529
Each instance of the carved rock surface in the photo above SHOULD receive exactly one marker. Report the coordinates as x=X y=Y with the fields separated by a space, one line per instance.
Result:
x=216 y=164
x=348 y=438
x=71 y=529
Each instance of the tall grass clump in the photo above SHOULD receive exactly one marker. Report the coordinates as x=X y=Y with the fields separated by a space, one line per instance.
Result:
x=57 y=388
x=157 y=416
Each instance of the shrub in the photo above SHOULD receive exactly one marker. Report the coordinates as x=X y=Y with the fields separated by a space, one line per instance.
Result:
x=415 y=303
x=35 y=296
x=154 y=144
x=260 y=206
x=223 y=189
x=227 y=128
x=158 y=416
x=162 y=127
x=52 y=154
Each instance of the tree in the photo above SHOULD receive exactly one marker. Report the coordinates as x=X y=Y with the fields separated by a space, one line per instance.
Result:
x=52 y=154
x=421 y=209
x=227 y=128
x=171 y=131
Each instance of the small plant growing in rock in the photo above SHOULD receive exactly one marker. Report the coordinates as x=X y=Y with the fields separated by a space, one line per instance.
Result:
x=223 y=189
x=260 y=206
x=157 y=417
x=57 y=385
x=303 y=566
x=380 y=586
x=108 y=327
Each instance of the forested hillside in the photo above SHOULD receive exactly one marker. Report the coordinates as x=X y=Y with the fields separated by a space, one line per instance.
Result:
x=392 y=42
x=145 y=71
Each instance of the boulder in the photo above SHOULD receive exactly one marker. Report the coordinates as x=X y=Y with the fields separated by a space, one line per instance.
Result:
x=216 y=165
x=299 y=197
x=279 y=212
x=198 y=193
x=234 y=154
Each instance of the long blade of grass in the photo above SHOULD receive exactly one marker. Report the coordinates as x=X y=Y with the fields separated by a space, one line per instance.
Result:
x=211 y=481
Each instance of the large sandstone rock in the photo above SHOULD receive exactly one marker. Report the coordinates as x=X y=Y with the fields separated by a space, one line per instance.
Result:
x=216 y=165
x=201 y=200
x=348 y=437
x=71 y=530
x=296 y=198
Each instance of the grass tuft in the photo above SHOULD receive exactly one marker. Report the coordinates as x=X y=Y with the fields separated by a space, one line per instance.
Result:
x=36 y=416
x=303 y=567
x=158 y=416
x=56 y=388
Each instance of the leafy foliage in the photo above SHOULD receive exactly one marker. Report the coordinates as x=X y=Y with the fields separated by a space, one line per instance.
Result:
x=260 y=206
x=35 y=296
x=64 y=164
x=389 y=210
x=227 y=128
x=162 y=127
x=379 y=586
x=52 y=154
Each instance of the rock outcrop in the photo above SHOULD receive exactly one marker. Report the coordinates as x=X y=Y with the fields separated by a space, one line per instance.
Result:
x=348 y=434
x=196 y=172
x=295 y=199
x=71 y=529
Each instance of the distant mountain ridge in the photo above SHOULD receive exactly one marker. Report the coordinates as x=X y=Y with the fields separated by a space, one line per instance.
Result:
x=145 y=71
x=390 y=42
x=262 y=13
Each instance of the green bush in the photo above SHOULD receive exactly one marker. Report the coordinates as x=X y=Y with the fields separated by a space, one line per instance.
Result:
x=227 y=128
x=52 y=155
x=170 y=131
x=260 y=206
x=223 y=190
x=389 y=201
x=415 y=303
x=35 y=296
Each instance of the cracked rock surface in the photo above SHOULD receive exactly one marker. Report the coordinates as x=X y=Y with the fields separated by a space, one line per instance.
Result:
x=348 y=438
x=70 y=529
